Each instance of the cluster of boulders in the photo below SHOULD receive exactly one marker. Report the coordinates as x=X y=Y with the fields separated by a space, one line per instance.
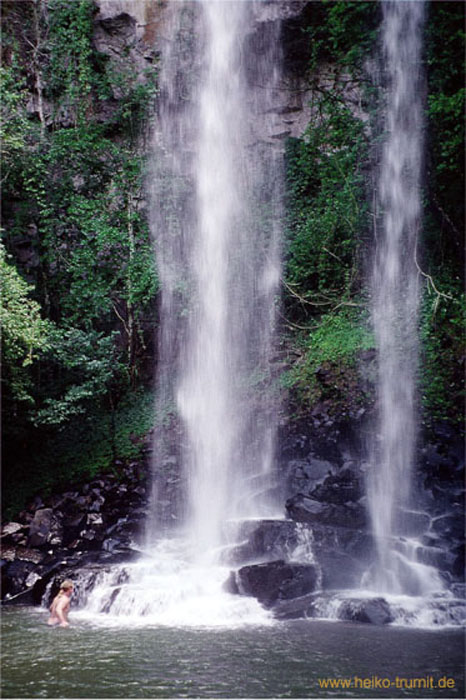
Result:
x=441 y=472
x=290 y=565
x=96 y=521
x=326 y=491
x=327 y=504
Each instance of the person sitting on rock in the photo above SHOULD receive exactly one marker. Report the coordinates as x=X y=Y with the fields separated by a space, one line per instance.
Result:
x=61 y=605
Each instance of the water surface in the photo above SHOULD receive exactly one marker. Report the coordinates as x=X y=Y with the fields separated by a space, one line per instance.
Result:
x=286 y=660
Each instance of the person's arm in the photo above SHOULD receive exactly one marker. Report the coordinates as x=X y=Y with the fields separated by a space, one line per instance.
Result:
x=61 y=611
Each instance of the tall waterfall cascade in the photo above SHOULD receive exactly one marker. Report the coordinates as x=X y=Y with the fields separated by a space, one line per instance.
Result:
x=216 y=202
x=395 y=301
x=216 y=227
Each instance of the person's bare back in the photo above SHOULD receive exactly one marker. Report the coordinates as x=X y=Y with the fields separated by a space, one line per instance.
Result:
x=61 y=605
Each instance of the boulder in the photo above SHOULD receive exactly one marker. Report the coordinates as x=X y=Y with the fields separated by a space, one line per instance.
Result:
x=308 y=510
x=294 y=608
x=267 y=540
x=44 y=528
x=14 y=576
x=340 y=488
x=339 y=569
x=411 y=523
x=375 y=611
x=20 y=553
x=449 y=526
x=10 y=529
x=72 y=526
x=273 y=581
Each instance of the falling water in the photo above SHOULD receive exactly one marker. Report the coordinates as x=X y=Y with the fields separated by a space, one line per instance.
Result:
x=396 y=295
x=216 y=211
x=233 y=269
x=215 y=193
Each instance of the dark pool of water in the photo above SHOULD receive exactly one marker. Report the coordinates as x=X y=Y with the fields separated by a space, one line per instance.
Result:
x=288 y=660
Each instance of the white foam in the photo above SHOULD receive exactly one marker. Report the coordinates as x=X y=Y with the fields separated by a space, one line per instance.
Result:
x=170 y=589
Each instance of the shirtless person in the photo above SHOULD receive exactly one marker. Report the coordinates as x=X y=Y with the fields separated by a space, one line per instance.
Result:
x=61 y=605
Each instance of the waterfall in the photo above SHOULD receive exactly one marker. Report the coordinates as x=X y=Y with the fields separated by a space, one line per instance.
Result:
x=215 y=194
x=216 y=206
x=395 y=292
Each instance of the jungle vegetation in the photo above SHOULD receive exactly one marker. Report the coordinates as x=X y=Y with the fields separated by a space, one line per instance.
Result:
x=79 y=281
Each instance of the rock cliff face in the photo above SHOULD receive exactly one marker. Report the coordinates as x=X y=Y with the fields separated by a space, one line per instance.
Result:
x=132 y=34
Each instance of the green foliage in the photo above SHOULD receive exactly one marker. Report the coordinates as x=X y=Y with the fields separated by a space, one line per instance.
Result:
x=326 y=206
x=342 y=32
x=81 y=188
x=77 y=77
x=15 y=129
x=73 y=193
x=443 y=356
x=327 y=370
x=327 y=174
x=103 y=436
x=69 y=74
x=442 y=366
x=445 y=48
x=24 y=332
x=84 y=364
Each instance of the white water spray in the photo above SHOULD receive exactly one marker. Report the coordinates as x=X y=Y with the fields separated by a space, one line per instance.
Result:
x=225 y=250
x=396 y=296
x=215 y=193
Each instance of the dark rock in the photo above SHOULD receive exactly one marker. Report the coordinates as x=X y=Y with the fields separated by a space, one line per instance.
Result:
x=27 y=554
x=14 y=575
x=55 y=501
x=411 y=523
x=449 y=526
x=111 y=545
x=308 y=510
x=41 y=526
x=267 y=540
x=340 y=488
x=22 y=554
x=459 y=590
x=339 y=570
x=72 y=526
x=114 y=594
x=36 y=503
x=275 y=580
x=375 y=611
x=25 y=517
x=95 y=520
x=97 y=504
x=458 y=566
x=121 y=556
x=294 y=608
x=83 y=502
x=434 y=556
